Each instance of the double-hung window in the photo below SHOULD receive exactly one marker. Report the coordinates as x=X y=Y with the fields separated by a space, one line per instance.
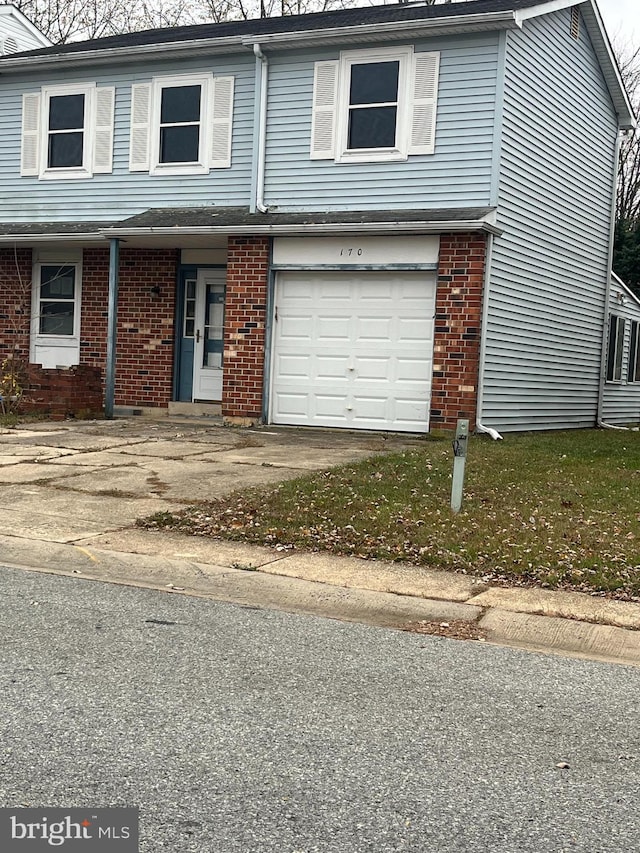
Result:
x=372 y=106
x=181 y=125
x=67 y=131
x=375 y=105
x=57 y=309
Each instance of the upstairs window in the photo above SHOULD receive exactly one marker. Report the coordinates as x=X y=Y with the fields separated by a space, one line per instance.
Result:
x=181 y=125
x=375 y=105
x=67 y=131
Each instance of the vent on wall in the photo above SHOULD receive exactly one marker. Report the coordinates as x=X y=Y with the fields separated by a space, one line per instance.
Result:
x=574 y=27
x=9 y=45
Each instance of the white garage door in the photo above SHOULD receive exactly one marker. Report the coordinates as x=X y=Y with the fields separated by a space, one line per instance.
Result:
x=353 y=349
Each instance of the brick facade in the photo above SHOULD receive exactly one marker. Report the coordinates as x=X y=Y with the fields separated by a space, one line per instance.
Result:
x=15 y=303
x=146 y=338
x=244 y=328
x=456 y=350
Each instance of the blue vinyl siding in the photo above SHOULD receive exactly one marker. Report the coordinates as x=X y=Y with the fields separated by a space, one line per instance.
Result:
x=549 y=267
x=123 y=193
x=457 y=175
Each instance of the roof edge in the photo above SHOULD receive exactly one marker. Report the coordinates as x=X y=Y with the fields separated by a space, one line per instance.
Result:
x=363 y=32
x=382 y=227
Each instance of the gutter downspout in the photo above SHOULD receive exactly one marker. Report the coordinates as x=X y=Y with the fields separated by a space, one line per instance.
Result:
x=605 y=325
x=480 y=427
x=260 y=130
x=112 y=325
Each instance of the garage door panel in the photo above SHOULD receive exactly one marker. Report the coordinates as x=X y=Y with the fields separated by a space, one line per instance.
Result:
x=330 y=406
x=414 y=329
x=296 y=327
x=327 y=367
x=409 y=410
x=332 y=329
x=293 y=366
x=291 y=405
x=358 y=354
x=375 y=369
x=372 y=328
x=413 y=370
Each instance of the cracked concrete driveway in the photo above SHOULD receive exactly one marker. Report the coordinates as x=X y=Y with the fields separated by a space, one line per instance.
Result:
x=66 y=481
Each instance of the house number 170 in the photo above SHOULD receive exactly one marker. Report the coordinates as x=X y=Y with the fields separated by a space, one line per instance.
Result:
x=349 y=252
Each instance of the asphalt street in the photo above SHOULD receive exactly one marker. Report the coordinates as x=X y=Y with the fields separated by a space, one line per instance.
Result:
x=242 y=730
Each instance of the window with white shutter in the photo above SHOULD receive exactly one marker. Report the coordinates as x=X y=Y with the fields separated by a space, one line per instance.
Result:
x=325 y=93
x=181 y=125
x=374 y=105
x=67 y=132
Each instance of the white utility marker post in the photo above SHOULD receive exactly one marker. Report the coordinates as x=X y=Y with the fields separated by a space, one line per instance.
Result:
x=459 y=459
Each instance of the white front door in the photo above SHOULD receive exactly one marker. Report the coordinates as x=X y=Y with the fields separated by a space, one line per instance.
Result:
x=208 y=335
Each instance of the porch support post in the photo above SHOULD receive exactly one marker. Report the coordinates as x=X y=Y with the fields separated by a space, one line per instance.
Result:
x=112 y=325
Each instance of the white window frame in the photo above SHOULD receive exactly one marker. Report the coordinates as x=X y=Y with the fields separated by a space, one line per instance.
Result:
x=400 y=151
x=61 y=350
x=196 y=167
x=85 y=170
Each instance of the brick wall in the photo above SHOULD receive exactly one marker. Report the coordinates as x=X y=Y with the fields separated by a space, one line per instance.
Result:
x=15 y=303
x=145 y=346
x=63 y=392
x=244 y=327
x=456 y=349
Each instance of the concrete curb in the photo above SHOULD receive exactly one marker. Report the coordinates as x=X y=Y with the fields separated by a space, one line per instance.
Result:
x=387 y=595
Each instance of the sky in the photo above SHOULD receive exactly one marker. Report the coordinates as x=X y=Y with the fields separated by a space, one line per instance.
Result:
x=622 y=19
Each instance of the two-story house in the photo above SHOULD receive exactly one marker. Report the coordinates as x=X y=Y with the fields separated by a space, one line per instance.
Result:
x=381 y=218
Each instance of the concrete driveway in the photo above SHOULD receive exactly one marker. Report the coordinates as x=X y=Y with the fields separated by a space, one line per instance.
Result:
x=67 y=481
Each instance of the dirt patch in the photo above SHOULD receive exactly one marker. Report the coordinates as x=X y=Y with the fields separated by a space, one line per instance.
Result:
x=456 y=629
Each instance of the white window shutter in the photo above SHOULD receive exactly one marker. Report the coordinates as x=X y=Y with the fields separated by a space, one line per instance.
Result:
x=30 y=144
x=323 y=120
x=140 y=127
x=425 y=98
x=103 y=131
x=221 y=123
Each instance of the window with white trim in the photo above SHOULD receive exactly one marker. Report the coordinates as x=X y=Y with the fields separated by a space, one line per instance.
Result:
x=55 y=318
x=633 y=366
x=181 y=125
x=615 y=351
x=67 y=131
x=375 y=105
x=57 y=300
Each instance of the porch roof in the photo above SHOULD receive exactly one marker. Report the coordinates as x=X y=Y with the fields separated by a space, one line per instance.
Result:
x=190 y=226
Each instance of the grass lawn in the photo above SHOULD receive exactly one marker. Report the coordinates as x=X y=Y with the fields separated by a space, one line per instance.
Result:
x=558 y=509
